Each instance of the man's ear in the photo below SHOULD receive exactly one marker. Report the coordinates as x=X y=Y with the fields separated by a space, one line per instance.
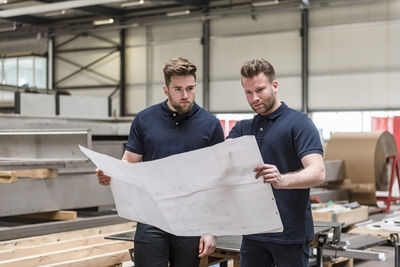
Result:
x=165 y=89
x=275 y=85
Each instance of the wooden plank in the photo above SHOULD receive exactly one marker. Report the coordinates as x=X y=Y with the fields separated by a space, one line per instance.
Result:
x=30 y=241
x=68 y=254
x=339 y=262
x=50 y=247
x=37 y=173
x=8 y=177
x=108 y=259
x=61 y=215
x=363 y=230
x=348 y=217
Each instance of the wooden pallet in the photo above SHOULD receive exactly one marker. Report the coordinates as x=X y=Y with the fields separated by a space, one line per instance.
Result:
x=339 y=262
x=75 y=248
x=12 y=176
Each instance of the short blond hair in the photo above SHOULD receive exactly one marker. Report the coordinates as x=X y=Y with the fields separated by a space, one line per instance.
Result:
x=178 y=67
x=253 y=67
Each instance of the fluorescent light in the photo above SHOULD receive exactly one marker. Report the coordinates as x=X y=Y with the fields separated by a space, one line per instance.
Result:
x=137 y=3
x=103 y=21
x=267 y=3
x=178 y=13
x=4 y=2
x=56 y=13
x=52 y=7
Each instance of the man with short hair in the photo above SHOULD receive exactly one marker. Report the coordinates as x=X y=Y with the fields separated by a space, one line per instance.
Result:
x=174 y=126
x=292 y=153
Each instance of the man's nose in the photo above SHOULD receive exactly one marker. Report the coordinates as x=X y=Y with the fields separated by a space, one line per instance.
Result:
x=184 y=94
x=255 y=97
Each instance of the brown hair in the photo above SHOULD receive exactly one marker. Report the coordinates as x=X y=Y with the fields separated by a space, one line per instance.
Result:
x=253 y=67
x=178 y=67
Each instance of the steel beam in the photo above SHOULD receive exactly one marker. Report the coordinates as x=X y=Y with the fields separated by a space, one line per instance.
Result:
x=86 y=66
x=122 y=71
x=304 y=59
x=355 y=254
x=206 y=64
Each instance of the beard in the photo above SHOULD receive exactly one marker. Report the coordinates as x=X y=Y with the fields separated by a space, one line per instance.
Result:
x=265 y=107
x=181 y=109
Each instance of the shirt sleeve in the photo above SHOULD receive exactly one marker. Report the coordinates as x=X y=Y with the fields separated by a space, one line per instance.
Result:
x=218 y=134
x=235 y=132
x=135 y=141
x=306 y=138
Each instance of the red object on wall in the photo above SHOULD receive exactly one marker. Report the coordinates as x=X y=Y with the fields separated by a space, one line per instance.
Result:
x=396 y=131
x=379 y=124
x=233 y=123
x=392 y=125
x=222 y=125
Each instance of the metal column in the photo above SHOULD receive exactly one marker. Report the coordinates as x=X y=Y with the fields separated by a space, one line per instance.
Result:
x=122 y=82
x=205 y=41
x=304 y=59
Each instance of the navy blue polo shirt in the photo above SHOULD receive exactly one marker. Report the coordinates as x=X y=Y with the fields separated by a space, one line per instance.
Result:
x=158 y=132
x=284 y=138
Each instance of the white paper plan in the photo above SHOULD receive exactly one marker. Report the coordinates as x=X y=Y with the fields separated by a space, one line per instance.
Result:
x=212 y=190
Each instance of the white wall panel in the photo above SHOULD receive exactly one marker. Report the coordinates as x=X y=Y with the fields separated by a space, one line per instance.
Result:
x=135 y=36
x=108 y=66
x=176 y=31
x=354 y=56
x=228 y=95
x=25 y=45
x=136 y=63
x=280 y=21
x=355 y=91
x=135 y=98
x=283 y=50
x=356 y=13
x=84 y=41
x=162 y=52
x=289 y=91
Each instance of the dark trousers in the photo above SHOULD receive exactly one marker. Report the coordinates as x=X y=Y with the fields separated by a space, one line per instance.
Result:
x=255 y=253
x=155 y=248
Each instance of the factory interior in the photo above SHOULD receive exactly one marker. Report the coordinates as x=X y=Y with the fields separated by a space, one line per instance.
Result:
x=77 y=72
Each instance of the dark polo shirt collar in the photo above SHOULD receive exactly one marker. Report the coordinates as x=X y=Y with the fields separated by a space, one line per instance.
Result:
x=274 y=115
x=175 y=115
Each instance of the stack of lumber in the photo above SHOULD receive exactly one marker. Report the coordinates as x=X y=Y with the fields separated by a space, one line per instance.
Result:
x=75 y=248
x=12 y=176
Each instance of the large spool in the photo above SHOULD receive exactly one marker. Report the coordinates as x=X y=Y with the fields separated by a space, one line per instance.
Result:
x=365 y=159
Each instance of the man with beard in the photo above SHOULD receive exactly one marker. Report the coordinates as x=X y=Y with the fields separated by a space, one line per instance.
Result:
x=292 y=153
x=174 y=126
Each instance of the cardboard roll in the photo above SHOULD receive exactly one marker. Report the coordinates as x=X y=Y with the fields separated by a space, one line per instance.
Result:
x=365 y=159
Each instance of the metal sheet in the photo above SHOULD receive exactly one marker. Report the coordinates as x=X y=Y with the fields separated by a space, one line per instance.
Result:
x=109 y=126
x=60 y=226
x=43 y=144
x=64 y=192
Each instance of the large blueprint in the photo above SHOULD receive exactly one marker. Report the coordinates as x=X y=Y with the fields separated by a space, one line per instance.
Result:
x=206 y=191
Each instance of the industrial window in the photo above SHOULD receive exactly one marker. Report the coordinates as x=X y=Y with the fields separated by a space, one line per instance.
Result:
x=356 y=121
x=29 y=71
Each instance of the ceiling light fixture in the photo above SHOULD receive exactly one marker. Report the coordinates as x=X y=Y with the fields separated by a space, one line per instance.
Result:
x=178 y=13
x=137 y=3
x=52 y=7
x=267 y=3
x=103 y=21
x=57 y=13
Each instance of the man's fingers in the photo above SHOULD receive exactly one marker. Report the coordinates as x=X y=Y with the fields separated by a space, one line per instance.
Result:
x=201 y=245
